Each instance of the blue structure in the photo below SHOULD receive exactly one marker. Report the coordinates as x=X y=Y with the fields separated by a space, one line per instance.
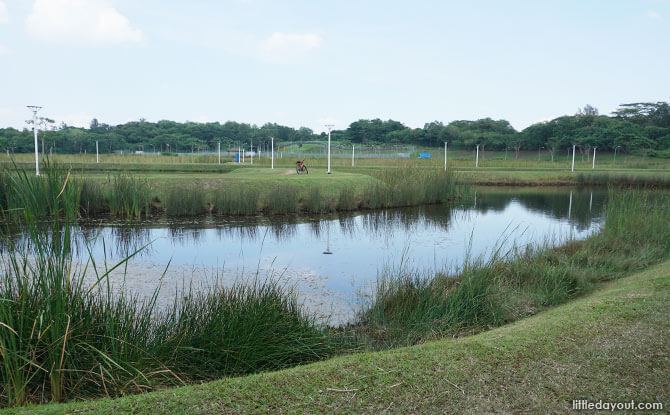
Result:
x=424 y=155
x=237 y=157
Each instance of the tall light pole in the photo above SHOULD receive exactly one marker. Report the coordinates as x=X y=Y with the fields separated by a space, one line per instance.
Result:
x=477 y=159
x=353 y=153
x=573 y=165
x=252 y=151
x=330 y=126
x=445 y=156
x=594 y=158
x=272 y=152
x=34 y=109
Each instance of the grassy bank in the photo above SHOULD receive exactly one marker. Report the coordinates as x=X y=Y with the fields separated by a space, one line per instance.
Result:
x=612 y=345
x=248 y=191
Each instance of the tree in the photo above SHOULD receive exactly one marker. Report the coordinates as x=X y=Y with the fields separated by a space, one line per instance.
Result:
x=588 y=110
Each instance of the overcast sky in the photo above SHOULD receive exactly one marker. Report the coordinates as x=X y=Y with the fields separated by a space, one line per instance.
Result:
x=308 y=63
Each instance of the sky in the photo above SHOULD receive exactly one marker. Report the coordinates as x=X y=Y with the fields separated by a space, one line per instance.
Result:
x=310 y=63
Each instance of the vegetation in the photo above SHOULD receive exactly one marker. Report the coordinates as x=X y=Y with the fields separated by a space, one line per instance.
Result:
x=640 y=128
x=591 y=348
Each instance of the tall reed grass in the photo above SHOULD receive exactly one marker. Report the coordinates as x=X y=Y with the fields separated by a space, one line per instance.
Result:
x=236 y=201
x=185 y=201
x=129 y=197
x=410 y=186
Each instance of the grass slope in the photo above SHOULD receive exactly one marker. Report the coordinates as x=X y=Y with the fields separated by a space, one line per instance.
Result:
x=611 y=345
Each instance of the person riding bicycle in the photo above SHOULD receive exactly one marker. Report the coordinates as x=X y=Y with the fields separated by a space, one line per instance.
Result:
x=301 y=167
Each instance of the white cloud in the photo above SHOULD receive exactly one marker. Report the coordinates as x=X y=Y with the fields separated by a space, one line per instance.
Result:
x=80 y=21
x=287 y=47
x=654 y=15
x=4 y=15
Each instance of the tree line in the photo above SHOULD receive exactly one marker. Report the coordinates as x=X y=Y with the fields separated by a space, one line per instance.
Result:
x=642 y=128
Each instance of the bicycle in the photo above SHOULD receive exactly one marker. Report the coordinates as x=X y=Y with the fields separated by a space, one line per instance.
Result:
x=300 y=167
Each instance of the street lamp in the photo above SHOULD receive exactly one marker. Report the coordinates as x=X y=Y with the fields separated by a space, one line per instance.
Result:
x=538 y=152
x=330 y=126
x=34 y=109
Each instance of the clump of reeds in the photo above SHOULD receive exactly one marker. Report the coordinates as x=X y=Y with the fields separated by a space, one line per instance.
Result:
x=410 y=186
x=346 y=200
x=281 y=199
x=242 y=329
x=185 y=201
x=129 y=197
x=317 y=202
x=92 y=199
x=237 y=201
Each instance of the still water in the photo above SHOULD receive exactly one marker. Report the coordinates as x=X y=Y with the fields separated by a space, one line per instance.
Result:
x=332 y=260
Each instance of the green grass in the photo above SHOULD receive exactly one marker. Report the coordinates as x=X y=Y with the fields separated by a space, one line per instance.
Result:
x=612 y=345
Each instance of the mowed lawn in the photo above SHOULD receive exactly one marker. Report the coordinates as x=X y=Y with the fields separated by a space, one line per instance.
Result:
x=612 y=345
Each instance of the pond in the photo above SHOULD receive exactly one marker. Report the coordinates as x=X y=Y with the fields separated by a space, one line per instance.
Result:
x=334 y=260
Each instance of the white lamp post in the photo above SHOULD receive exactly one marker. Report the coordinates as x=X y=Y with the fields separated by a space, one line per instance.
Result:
x=329 y=128
x=594 y=158
x=34 y=109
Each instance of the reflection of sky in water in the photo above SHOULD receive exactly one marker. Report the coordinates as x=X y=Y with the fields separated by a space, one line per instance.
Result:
x=430 y=238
